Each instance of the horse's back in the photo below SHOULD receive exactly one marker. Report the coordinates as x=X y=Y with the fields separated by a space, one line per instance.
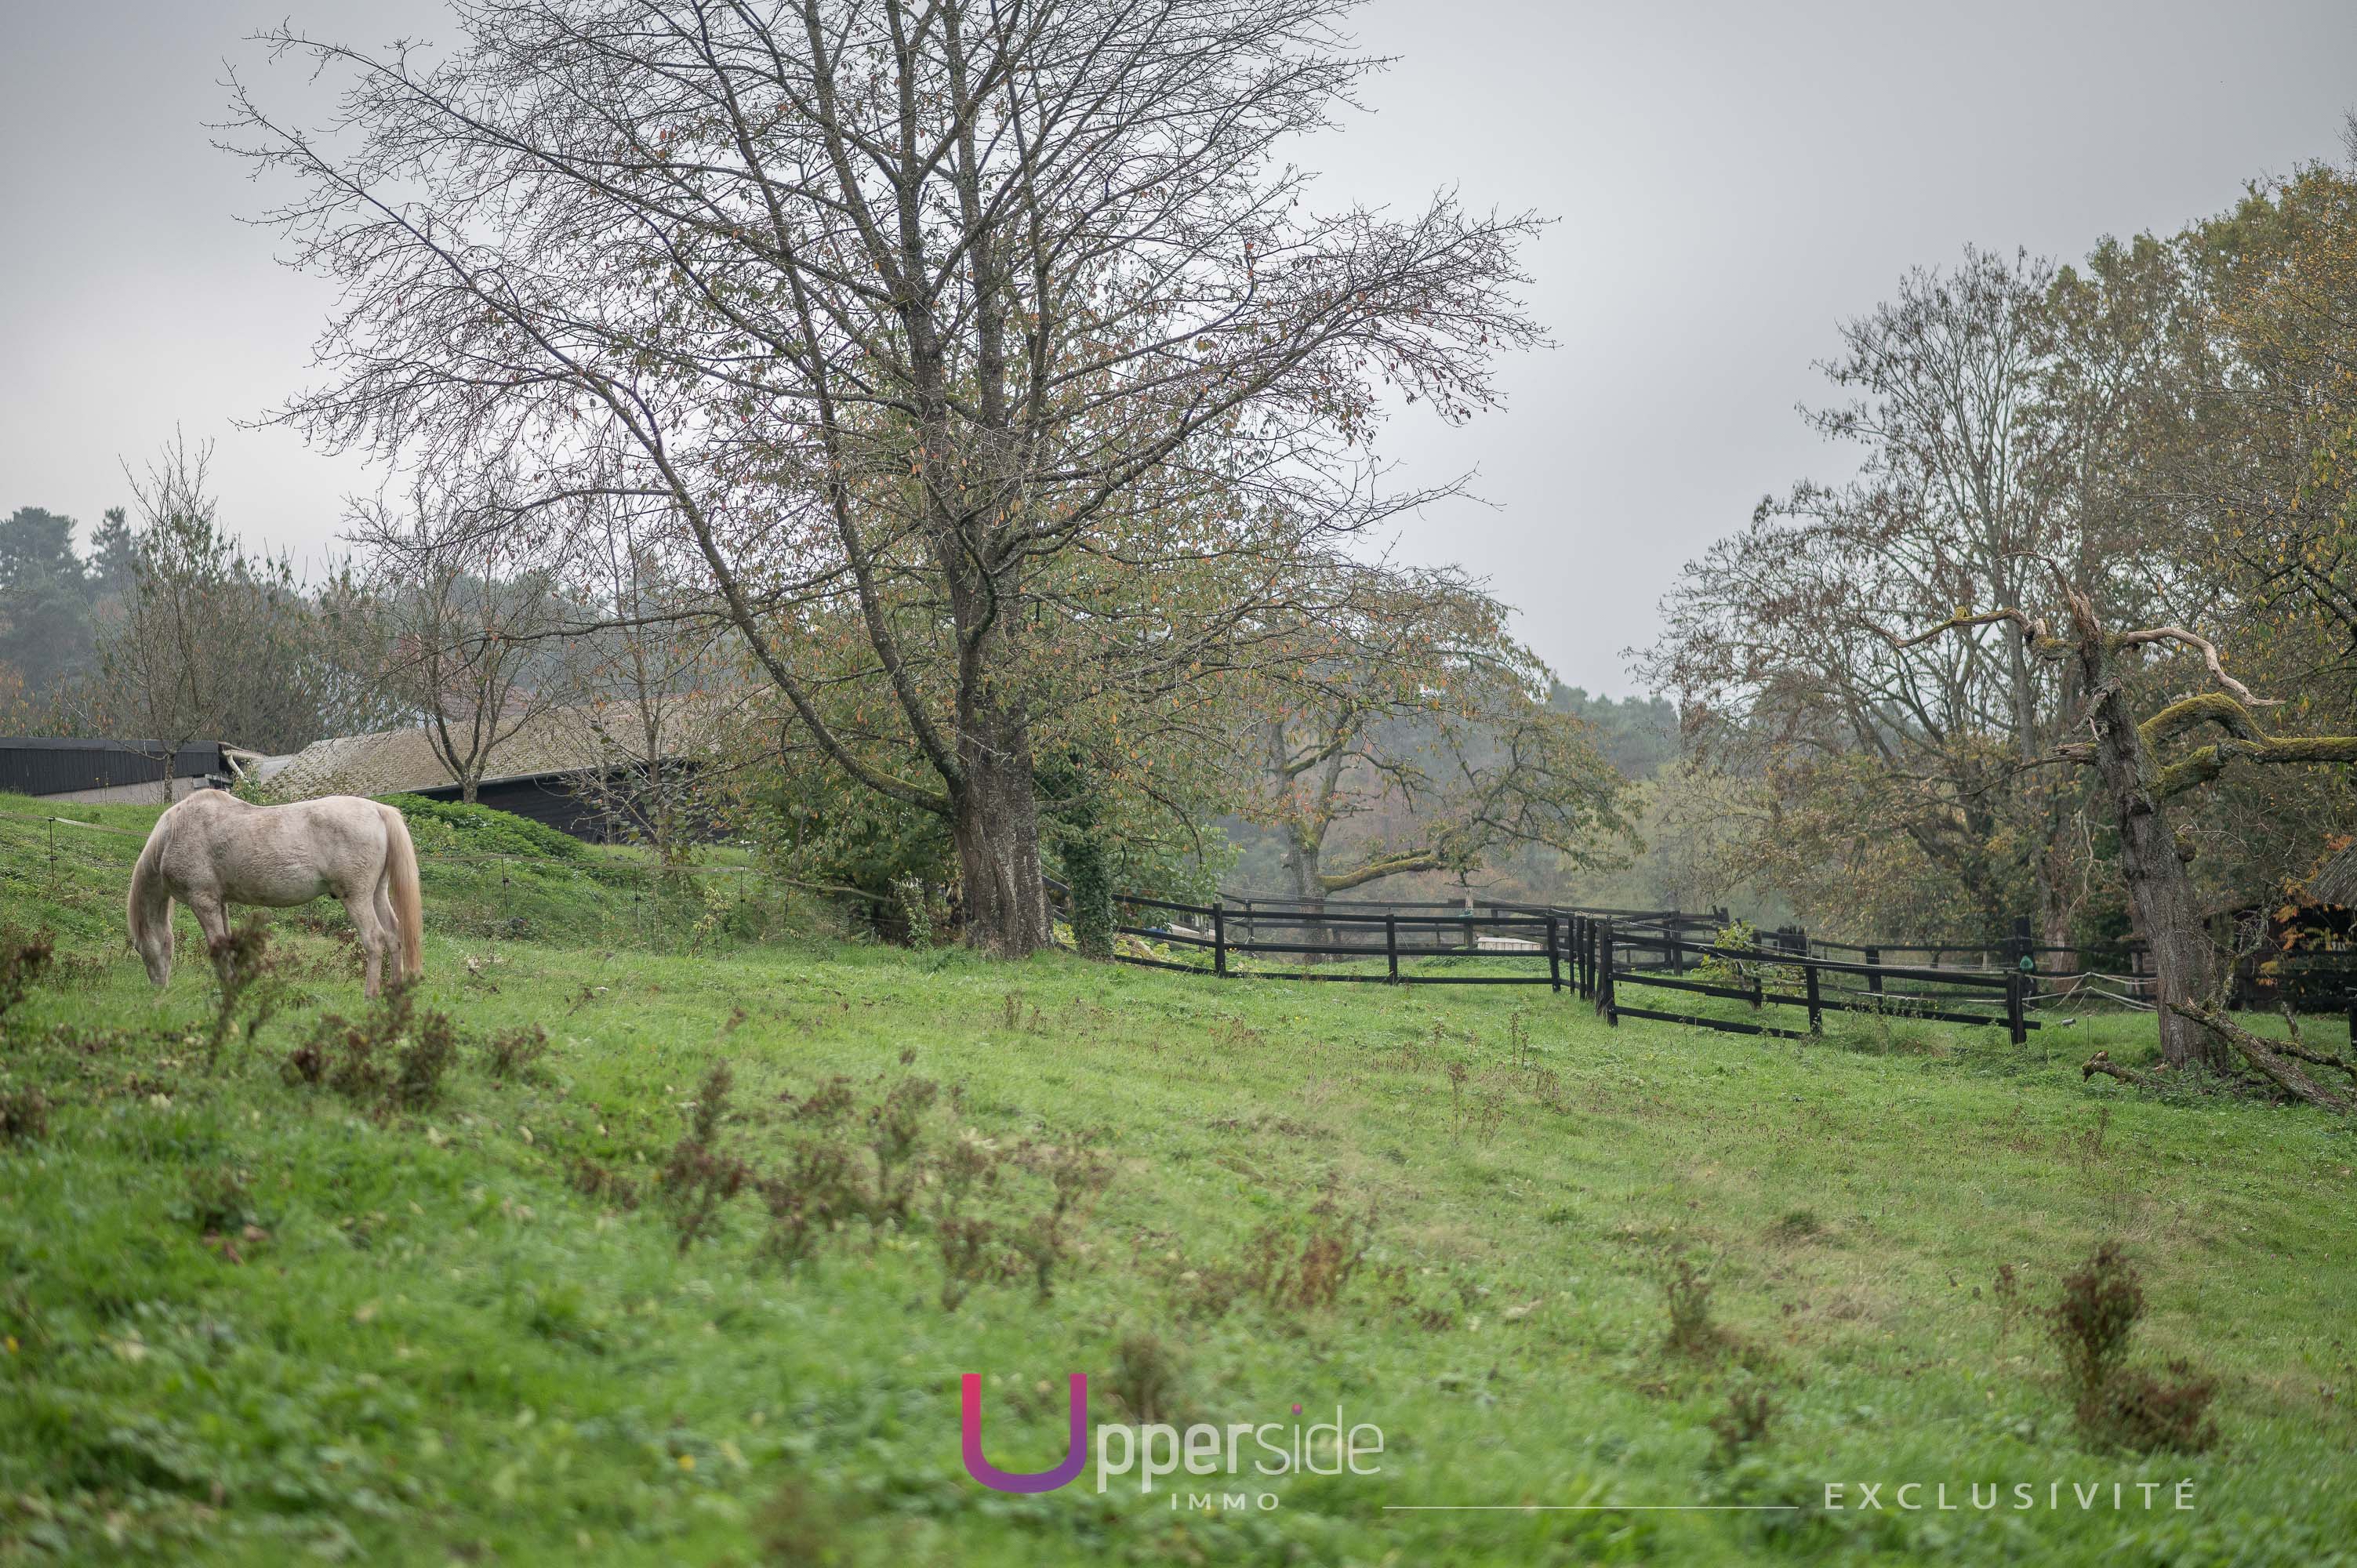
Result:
x=278 y=855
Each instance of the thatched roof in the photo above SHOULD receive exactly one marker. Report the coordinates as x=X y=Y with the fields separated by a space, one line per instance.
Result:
x=561 y=740
x=2336 y=883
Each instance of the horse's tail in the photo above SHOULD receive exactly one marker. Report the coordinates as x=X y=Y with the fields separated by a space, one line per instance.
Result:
x=150 y=903
x=408 y=900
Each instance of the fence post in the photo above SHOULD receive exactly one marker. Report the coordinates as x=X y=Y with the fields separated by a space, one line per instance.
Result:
x=1874 y=961
x=1391 y=941
x=1554 y=954
x=2013 y=1018
x=1604 y=997
x=1816 y=1011
x=1219 y=940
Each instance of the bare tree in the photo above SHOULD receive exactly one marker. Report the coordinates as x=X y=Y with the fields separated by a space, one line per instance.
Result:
x=654 y=683
x=206 y=641
x=902 y=307
x=471 y=632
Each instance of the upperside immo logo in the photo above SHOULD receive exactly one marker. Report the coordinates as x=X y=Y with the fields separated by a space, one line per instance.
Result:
x=1156 y=1449
x=990 y=1475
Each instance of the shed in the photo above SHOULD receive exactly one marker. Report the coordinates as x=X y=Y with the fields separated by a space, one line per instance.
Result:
x=141 y=772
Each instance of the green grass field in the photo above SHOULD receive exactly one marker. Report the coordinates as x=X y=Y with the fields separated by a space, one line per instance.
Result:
x=244 y=1318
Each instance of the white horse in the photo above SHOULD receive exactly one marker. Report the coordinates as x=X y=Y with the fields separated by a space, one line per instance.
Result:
x=212 y=849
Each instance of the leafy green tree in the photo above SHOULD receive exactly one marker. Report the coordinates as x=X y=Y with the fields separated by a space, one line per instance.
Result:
x=45 y=630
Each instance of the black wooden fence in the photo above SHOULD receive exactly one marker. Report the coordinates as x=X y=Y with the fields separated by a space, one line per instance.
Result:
x=1775 y=974
x=1596 y=953
x=1231 y=941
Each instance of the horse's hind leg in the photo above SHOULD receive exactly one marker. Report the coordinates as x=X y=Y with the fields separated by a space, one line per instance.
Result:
x=389 y=922
x=375 y=937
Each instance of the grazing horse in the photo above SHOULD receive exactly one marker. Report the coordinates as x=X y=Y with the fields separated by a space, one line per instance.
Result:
x=212 y=849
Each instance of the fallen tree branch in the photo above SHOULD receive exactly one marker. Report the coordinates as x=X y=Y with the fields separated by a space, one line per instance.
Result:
x=2268 y=1056
x=2298 y=1046
x=2101 y=1062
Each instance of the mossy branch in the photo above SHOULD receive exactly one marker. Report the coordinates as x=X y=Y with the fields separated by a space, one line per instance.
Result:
x=2244 y=739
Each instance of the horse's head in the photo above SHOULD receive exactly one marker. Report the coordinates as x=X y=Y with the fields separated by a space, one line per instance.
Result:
x=150 y=909
x=155 y=945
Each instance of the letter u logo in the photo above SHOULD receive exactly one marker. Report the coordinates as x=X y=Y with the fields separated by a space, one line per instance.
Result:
x=990 y=1475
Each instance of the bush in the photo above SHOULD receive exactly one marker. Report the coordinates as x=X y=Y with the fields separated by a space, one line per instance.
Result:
x=698 y=1180
x=516 y=1053
x=2092 y=1322
x=22 y=960
x=250 y=985
x=392 y=1059
x=23 y=1115
x=453 y=826
x=1692 y=1332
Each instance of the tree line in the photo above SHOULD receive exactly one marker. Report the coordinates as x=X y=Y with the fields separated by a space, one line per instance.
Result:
x=2079 y=641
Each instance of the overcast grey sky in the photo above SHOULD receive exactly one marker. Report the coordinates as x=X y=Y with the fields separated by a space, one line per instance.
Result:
x=1731 y=179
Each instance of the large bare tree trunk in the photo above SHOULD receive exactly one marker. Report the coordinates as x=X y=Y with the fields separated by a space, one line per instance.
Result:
x=2157 y=883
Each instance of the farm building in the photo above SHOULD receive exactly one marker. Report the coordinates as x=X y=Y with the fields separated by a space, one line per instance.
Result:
x=2303 y=946
x=545 y=771
x=140 y=773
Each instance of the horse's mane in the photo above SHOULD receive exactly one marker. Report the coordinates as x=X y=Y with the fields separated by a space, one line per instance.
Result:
x=150 y=899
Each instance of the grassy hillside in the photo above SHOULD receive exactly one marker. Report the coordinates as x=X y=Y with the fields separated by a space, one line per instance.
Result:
x=401 y=1315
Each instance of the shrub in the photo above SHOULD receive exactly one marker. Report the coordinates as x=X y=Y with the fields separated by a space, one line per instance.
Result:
x=1691 y=1333
x=699 y=1181
x=392 y=1059
x=516 y=1053
x=2092 y=1322
x=896 y=1125
x=1090 y=876
x=1745 y=1422
x=453 y=825
x=219 y=1200
x=23 y=1115
x=2093 y=1318
x=1290 y=1267
x=1076 y=1174
x=250 y=986
x=1146 y=1378
x=816 y=1193
x=22 y=960
x=601 y=1184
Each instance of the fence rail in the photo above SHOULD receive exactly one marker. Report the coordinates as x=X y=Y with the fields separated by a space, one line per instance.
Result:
x=1511 y=947
x=1600 y=946
x=1595 y=953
